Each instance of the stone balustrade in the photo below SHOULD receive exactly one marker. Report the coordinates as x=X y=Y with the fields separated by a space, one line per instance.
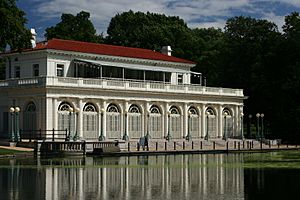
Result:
x=119 y=85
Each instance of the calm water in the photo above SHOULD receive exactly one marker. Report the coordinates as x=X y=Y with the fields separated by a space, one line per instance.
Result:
x=233 y=176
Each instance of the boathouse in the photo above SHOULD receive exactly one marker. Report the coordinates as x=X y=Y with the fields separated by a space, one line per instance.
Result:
x=94 y=91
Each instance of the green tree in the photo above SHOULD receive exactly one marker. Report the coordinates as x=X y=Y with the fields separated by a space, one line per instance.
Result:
x=72 y=27
x=290 y=81
x=151 y=31
x=207 y=53
x=13 y=33
x=250 y=61
x=12 y=26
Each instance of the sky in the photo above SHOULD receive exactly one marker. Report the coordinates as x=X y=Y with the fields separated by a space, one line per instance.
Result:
x=196 y=13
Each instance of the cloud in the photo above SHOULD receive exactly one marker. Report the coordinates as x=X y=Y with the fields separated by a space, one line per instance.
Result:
x=194 y=12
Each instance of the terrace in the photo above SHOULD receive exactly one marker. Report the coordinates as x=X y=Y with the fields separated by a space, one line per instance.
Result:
x=119 y=84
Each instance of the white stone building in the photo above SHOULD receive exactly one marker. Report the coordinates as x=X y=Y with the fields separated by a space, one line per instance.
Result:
x=113 y=91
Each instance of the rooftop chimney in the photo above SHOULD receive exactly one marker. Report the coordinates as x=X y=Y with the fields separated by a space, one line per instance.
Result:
x=33 y=40
x=166 y=50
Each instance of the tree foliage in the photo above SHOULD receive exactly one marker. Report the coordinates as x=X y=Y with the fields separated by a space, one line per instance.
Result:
x=250 y=54
x=12 y=26
x=72 y=27
x=151 y=31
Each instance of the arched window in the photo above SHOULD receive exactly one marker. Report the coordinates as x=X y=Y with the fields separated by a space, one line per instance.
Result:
x=174 y=110
x=227 y=123
x=155 y=110
x=30 y=107
x=64 y=106
x=89 y=108
x=175 y=122
x=134 y=122
x=211 y=122
x=113 y=109
x=155 y=122
x=194 y=128
x=29 y=120
x=90 y=122
x=66 y=119
x=113 y=122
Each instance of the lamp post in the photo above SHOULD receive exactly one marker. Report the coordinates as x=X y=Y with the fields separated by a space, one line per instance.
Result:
x=15 y=125
x=125 y=136
x=242 y=126
x=225 y=127
x=249 y=126
x=70 y=116
x=17 y=121
x=148 y=119
x=12 y=134
x=262 y=126
x=257 y=125
x=101 y=137
x=169 y=134
x=207 y=117
x=76 y=136
x=189 y=136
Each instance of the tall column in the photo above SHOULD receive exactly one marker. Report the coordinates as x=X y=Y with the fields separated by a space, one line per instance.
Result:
x=54 y=114
x=220 y=127
x=185 y=120
x=104 y=118
x=236 y=122
x=165 y=114
x=49 y=111
x=203 y=124
x=199 y=122
x=80 y=119
x=125 y=120
x=146 y=123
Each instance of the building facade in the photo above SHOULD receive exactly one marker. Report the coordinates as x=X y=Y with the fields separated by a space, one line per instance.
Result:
x=97 y=91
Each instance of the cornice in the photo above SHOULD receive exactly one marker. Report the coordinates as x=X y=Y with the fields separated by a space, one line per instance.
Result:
x=119 y=59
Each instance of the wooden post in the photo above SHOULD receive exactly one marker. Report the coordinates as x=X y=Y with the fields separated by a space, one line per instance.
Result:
x=270 y=144
x=234 y=144
x=84 y=147
x=183 y=145
x=156 y=146
x=227 y=146
x=174 y=145
x=138 y=146
x=40 y=134
x=166 y=146
x=53 y=131
x=260 y=144
x=239 y=146
x=192 y=144
x=128 y=146
x=243 y=144
x=214 y=145
x=278 y=145
x=200 y=144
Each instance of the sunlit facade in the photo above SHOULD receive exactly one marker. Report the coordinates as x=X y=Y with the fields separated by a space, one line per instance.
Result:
x=101 y=91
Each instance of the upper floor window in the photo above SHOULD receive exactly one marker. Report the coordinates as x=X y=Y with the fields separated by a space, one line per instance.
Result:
x=59 y=70
x=17 y=71
x=36 y=70
x=180 y=78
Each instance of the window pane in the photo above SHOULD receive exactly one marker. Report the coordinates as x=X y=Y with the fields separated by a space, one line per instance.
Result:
x=134 y=74
x=59 y=70
x=36 y=70
x=112 y=72
x=17 y=71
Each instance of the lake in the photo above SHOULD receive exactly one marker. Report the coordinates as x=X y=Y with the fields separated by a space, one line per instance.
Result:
x=272 y=175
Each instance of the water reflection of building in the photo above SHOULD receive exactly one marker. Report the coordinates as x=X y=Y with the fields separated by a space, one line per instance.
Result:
x=154 y=177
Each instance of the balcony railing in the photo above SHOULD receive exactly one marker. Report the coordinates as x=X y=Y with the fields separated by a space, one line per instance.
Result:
x=120 y=84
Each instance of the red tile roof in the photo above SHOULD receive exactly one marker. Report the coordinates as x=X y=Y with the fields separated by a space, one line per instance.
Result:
x=104 y=49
